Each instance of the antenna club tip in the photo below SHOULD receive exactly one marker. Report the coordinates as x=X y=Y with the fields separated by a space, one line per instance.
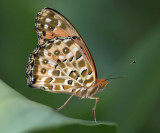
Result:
x=123 y=76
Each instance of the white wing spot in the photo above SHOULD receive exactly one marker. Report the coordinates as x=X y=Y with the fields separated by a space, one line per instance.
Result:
x=69 y=70
x=89 y=84
x=48 y=20
x=74 y=74
x=80 y=58
x=45 y=26
x=78 y=78
x=88 y=77
x=55 y=28
x=66 y=40
x=41 y=59
x=53 y=87
x=69 y=55
x=75 y=49
x=56 y=41
x=83 y=68
x=66 y=82
x=61 y=88
x=50 y=72
x=52 y=63
x=46 y=88
x=69 y=90
x=61 y=57
x=53 y=79
x=59 y=23
x=45 y=52
x=43 y=79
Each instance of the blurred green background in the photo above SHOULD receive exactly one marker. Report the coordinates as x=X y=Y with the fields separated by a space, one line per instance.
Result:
x=116 y=32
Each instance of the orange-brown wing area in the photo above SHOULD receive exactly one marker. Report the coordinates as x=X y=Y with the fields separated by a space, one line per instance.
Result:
x=50 y=24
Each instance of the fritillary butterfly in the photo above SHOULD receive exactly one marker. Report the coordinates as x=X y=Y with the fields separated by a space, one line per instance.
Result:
x=61 y=62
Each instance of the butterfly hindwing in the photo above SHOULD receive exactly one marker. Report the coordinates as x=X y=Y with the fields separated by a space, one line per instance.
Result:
x=59 y=66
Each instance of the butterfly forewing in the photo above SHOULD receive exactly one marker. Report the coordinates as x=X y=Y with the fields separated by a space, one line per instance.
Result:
x=50 y=24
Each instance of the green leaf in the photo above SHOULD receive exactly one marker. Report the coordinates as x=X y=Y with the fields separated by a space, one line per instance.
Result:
x=19 y=114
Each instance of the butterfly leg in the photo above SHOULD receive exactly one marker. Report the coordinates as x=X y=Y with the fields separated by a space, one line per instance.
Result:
x=94 y=108
x=61 y=107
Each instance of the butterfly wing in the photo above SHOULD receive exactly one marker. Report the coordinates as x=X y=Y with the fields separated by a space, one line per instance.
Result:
x=59 y=65
x=50 y=24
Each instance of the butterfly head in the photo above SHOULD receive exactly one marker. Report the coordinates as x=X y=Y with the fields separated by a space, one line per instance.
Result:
x=102 y=83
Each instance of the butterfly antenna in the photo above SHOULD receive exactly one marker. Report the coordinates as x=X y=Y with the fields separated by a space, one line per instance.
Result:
x=122 y=76
x=110 y=76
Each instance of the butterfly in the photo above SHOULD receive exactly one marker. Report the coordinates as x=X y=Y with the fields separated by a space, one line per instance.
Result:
x=62 y=62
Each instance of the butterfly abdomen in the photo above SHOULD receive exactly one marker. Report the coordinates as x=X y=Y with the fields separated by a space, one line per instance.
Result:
x=87 y=92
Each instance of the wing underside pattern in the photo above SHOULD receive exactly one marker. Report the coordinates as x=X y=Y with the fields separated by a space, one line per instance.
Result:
x=50 y=24
x=59 y=66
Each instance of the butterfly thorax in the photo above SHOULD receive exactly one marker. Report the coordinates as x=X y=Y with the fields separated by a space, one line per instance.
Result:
x=98 y=86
